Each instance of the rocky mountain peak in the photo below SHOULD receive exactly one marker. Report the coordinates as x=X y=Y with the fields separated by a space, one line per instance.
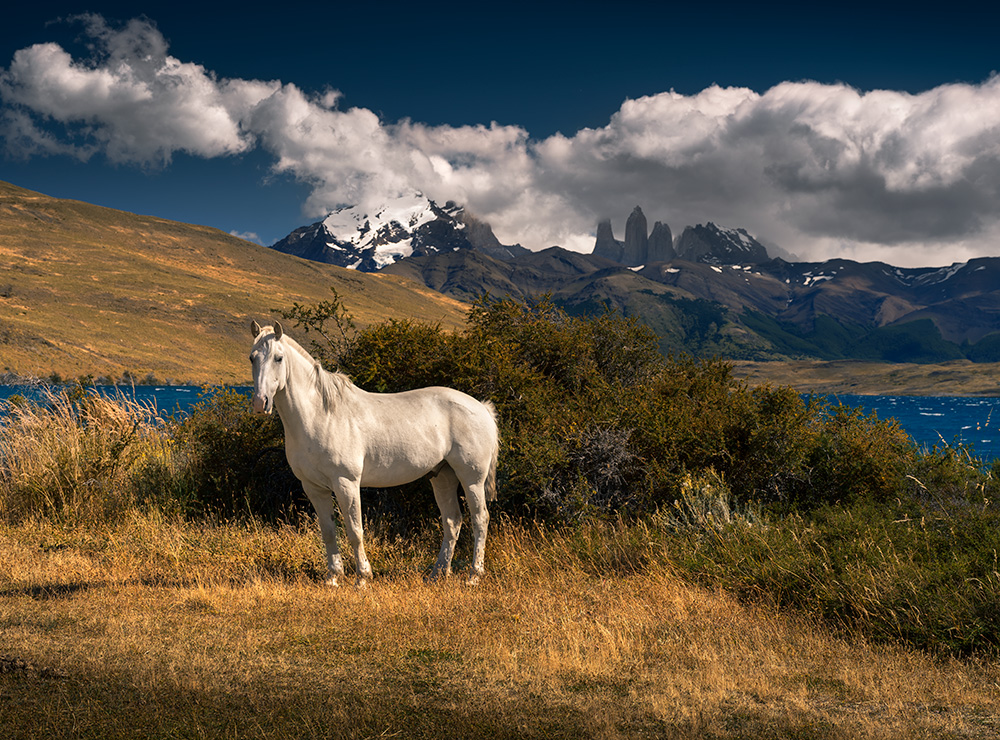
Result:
x=636 y=249
x=715 y=245
x=369 y=239
x=606 y=245
x=702 y=243
x=661 y=244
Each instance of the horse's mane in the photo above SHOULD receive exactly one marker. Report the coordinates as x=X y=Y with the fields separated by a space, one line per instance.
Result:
x=330 y=385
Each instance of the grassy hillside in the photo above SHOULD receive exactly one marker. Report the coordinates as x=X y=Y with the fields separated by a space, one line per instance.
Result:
x=91 y=290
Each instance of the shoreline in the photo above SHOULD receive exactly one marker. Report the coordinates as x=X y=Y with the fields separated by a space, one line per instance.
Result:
x=822 y=377
x=864 y=378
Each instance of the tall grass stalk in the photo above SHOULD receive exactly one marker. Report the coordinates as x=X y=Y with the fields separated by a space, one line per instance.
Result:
x=73 y=455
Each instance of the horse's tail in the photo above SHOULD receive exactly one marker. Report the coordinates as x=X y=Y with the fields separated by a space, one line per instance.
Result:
x=491 y=476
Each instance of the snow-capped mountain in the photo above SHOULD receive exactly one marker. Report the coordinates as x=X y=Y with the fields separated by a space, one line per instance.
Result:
x=411 y=225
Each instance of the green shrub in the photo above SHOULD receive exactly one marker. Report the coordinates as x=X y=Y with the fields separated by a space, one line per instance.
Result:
x=858 y=457
x=233 y=461
x=895 y=573
x=399 y=355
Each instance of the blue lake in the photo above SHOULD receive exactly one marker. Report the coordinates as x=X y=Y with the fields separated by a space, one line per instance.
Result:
x=167 y=399
x=970 y=421
x=973 y=422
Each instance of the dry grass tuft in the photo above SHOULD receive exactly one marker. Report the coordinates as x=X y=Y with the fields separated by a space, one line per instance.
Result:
x=152 y=627
x=72 y=456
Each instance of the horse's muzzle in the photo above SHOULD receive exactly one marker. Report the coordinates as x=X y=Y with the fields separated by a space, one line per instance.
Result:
x=262 y=404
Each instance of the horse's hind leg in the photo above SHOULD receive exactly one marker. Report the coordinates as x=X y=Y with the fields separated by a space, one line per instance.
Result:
x=475 y=496
x=445 y=485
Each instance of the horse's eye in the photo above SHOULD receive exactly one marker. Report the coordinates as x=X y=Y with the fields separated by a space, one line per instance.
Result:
x=278 y=359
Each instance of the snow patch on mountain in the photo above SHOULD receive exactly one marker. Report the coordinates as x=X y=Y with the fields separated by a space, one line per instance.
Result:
x=387 y=231
x=369 y=239
x=940 y=275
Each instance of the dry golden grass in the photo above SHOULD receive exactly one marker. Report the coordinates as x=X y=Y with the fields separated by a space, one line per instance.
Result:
x=74 y=458
x=159 y=628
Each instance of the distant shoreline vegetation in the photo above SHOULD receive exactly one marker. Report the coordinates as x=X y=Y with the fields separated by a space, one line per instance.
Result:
x=57 y=379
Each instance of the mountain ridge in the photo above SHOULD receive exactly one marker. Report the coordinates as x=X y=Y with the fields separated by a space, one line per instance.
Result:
x=711 y=289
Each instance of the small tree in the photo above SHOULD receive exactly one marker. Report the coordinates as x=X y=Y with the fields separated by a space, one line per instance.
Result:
x=331 y=324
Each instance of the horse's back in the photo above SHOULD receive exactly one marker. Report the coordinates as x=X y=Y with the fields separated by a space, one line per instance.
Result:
x=411 y=432
x=436 y=404
x=454 y=417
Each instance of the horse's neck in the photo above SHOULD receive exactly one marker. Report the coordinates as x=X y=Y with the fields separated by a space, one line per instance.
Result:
x=301 y=401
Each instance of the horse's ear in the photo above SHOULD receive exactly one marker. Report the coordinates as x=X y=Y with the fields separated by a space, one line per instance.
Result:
x=278 y=331
x=255 y=328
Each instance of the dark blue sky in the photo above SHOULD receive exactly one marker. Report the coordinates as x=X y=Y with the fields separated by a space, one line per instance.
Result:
x=544 y=67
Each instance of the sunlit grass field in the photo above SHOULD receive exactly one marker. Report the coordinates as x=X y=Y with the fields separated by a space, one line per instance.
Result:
x=86 y=290
x=154 y=627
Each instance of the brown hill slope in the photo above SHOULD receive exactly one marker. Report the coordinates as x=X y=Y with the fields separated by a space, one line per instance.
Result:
x=91 y=290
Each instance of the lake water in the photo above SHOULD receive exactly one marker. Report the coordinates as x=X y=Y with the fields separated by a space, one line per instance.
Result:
x=931 y=420
x=971 y=421
x=168 y=399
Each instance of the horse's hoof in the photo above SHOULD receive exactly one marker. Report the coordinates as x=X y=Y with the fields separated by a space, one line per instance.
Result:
x=362 y=583
x=473 y=580
x=331 y=581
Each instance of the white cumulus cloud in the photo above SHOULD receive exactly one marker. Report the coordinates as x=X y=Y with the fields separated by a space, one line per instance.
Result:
x=249 y=236
x=133 y=102
x=820 y=169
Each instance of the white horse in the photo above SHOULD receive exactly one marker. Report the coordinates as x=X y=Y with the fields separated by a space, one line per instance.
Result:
x=339 y=438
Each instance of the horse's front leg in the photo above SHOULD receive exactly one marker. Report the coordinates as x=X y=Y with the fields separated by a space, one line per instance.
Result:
x=349 y=498
x=322 y=501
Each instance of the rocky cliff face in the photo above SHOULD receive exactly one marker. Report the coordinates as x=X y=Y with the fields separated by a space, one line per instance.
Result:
x=636 y=249
x=712 y=244
x=482 y=239
x=661 y=244
x=606 y=245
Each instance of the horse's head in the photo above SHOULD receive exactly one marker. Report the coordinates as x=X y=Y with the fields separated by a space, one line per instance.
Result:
x=269 y=368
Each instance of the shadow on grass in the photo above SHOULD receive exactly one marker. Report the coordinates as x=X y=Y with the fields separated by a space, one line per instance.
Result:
x=49 y=591
x=394 y=705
